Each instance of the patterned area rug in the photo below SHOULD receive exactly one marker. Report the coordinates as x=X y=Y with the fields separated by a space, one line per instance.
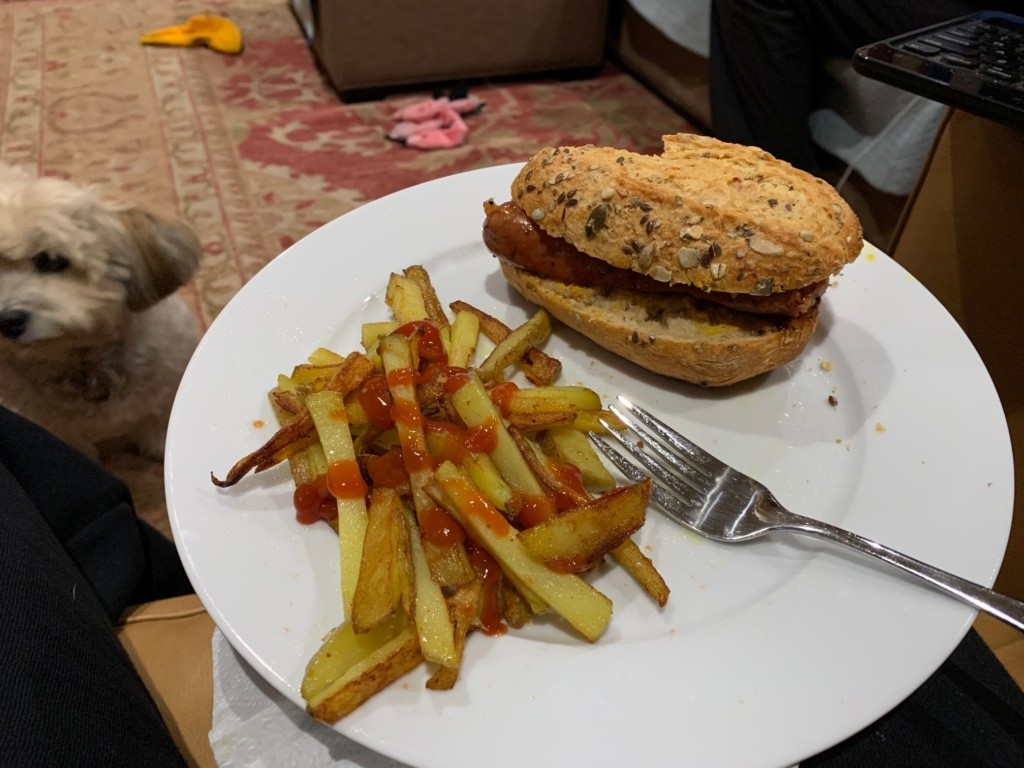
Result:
x=253 y=151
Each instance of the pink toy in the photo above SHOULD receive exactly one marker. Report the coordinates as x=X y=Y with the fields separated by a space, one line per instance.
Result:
x=407 y=128
x=434 y=123
x=449 y=133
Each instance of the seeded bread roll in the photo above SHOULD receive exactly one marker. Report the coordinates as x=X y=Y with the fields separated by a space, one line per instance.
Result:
x=672 y=334
x=719 y=216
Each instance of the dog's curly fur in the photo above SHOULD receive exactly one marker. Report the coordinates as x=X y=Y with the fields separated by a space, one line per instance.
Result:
x=93 y=339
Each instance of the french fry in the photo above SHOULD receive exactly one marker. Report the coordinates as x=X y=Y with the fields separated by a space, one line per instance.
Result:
x=476 y=409
x=465 y=332
x=293 y=437
x=463 y=606
x=538 y=422
x=540 y=369
x=287 y=401
x=308 y=464
x=405 y=567
x=409 y=590
x=486 y=477
x=405 y=299
x=285 y=384
x=310 y=375
x=449 y=565
x=549 y=481
x=627 y=554
x=398 y=365
x=298 y=433
x=640 y=567
x=341 y=648
x=554 y=399
x=590 y=421
x=535 y=602
x=435 y=312
x=571 y=446
x=397 y=357
x=514 y=608
x=356 y=414
x=370 y=335
x=578 y=538
x=324 y=356
x=349 y=668
x=433 y=622
x=379 y=588
x=514 y=346
x=345 y=482
x=583 y=607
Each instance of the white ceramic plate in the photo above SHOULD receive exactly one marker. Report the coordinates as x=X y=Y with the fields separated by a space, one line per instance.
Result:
x=767 y=652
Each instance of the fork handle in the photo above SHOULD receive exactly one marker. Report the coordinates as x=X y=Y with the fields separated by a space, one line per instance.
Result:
x=1001 y=606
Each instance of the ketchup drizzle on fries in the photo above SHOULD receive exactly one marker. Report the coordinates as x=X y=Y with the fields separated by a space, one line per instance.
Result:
x=345 y=480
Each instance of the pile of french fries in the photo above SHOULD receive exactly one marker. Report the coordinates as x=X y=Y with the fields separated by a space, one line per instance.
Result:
x=461 y=500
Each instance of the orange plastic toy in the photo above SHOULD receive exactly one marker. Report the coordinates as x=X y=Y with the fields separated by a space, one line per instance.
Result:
x=215 y=32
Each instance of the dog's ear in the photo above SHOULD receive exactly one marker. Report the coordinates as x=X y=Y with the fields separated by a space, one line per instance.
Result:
x=163 y=257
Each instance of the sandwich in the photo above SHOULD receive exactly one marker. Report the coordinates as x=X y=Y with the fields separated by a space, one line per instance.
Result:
x=706 y=263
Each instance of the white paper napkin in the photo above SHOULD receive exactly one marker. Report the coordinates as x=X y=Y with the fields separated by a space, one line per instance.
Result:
x=254 y=726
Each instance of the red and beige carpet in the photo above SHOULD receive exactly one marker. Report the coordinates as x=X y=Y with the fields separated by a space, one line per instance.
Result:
x=254 y=151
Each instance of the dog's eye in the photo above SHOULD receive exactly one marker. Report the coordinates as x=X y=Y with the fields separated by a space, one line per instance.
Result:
x=50 y=262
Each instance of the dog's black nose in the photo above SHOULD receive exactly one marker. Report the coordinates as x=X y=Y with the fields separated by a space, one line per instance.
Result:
x=13 y=322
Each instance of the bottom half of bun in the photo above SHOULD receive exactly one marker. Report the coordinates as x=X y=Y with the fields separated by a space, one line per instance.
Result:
x=673 y=335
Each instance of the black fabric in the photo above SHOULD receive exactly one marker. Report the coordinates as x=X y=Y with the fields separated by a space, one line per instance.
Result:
x=72 y=558
x=766 y=56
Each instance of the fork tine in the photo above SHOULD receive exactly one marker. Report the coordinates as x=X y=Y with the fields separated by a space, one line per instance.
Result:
x=680 y=510
x=694 y=476
x=665 y=472
x=628 y=468
x=686 y=448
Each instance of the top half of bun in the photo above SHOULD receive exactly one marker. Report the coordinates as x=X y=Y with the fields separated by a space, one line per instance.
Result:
x=720 y=216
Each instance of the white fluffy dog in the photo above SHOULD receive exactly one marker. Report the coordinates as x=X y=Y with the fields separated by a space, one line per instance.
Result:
x=93 y=340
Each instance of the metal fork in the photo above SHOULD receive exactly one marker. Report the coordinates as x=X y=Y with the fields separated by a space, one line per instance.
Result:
x=710 y=497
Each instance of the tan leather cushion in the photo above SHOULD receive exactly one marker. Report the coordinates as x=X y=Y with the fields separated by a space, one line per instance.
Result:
x=169 y=643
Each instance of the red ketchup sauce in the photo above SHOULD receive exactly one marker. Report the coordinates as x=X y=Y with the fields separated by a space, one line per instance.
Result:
x=375 y=398
x=501 y=395
x=318 y=499
x=429 y=346
x=455 y=379
x=531 y=509
x=387 y=470
x=490 y=600
x=455 y=442
x=438 y=527
x=345 y=481
x=466 y=495
x=313 y=501
x=577 y=492
x=568 y=564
